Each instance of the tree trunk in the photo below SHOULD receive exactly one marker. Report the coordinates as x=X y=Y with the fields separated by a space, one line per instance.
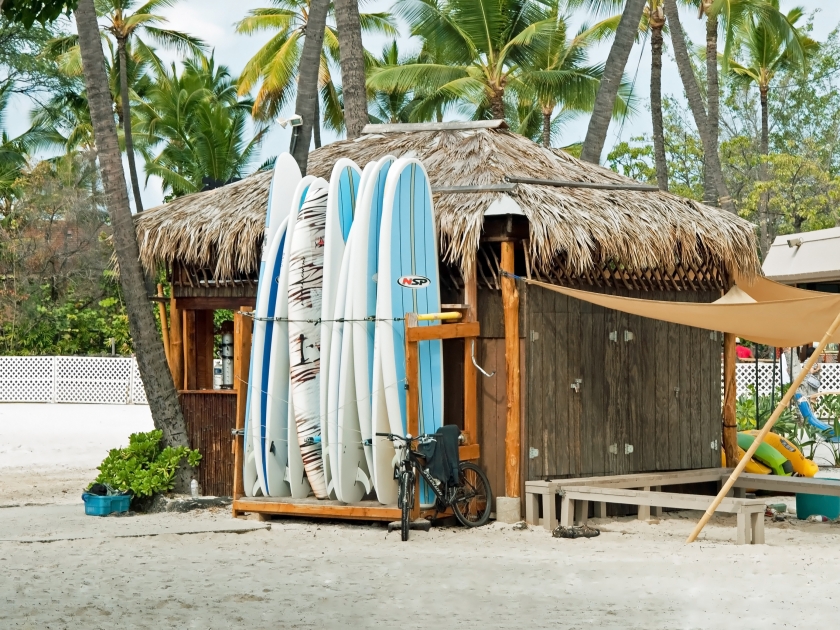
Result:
x=656 y=101
x=695 y=102
x=126 y=120
x=151 y=360
x=710 y=194
x=306 y=104
x=764 y=199
x=497 y=104
x=352 y=56
x=546 y=135
x=316 y=126
x=625 y=35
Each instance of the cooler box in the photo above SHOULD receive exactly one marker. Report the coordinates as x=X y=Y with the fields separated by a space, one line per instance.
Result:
x=810 y=504
x=96 y=505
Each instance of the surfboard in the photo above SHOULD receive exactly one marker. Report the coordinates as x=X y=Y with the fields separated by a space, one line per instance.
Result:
x=283 y=183
x=408 y=283
x=364 y=267
x=341 y=208
x=306 y=264
x=277 y=409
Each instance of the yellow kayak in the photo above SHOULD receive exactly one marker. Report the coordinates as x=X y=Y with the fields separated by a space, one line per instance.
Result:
x=801 y=465
x=753 y=467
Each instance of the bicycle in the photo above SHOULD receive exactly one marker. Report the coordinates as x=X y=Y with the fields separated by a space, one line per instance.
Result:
x=469 y=499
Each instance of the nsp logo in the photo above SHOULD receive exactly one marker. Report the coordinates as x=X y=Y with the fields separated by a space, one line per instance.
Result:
x=413 y=282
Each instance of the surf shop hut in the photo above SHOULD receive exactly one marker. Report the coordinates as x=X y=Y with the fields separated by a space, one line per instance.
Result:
x=571 y=389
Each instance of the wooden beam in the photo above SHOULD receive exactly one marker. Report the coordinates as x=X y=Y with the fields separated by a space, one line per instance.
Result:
x=730 y=423
x=442 y=331
x=510 y=303
x=560 y=183
x=215 y=303
x=470 y=373
x=176 y=342
x=469 y=452
x=242 y=327
x=412 y=385
x=164 y=325
x=189 y=350
x=321 y=509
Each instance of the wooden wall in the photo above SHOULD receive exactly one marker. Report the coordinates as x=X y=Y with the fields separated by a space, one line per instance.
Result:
x=210 y=417
x=658 y=392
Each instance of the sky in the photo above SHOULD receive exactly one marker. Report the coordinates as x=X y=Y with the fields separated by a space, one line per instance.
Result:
x=213 y=21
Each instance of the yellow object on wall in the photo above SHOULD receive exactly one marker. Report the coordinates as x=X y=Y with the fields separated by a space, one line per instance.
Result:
x=801 y=465
x=753 y=467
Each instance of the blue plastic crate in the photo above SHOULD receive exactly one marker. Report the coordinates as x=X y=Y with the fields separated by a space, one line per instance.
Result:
x=96 y=505
x=809 y=504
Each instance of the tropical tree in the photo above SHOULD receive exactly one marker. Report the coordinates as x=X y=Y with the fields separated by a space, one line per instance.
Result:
x=151 y=360
x=353 y=89
x=192 y=128
x=655 y=14
x=13 y=152
x=391 y=105
x=125 y=22
x=764 y=53
x=625 y=36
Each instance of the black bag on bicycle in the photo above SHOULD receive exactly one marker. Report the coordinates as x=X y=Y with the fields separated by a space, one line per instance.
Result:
x=441 y=455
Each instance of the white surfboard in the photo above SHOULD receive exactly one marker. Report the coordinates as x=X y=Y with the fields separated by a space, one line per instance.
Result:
x=277 y=409
x=341 y=208
x=283 y=183
x=295 y=473
x=408 y=282
x=306 y=265
x=364 y=267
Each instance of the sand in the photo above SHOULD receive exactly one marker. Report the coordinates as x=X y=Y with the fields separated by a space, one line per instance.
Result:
x=64 y=570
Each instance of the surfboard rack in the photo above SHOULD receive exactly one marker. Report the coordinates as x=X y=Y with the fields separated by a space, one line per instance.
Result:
x=456 y=322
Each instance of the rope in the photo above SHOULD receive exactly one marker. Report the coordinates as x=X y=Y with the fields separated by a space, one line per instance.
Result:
x=340 y=320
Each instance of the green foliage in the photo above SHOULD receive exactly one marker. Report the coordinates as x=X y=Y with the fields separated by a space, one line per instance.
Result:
x=745 y=413
x=27 y=12
x=143 y=466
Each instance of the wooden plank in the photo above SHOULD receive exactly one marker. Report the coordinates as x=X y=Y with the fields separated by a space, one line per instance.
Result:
x=673 y=375
x=469 y=372
x=788 y=485
x=214 y=302
x=715 y=396
x=678 y=477
x=176 y=341
x=695 y=377
x=189 y=350
x=321 y=509
x=706 y=436
x=613 y=375
x=489 y=407
x=551 y=395
x=647 y=350
x=164 y=325
x=686 y=360
x=536 y=388
x=659 y=499
x=443 y=331
x=412 y=383
x=574 y=363
x=242 y=329
x=661 y=398
x=510 y=301
x=562 y=434
x=204 y=342
x=730 y=424
x=469 y=452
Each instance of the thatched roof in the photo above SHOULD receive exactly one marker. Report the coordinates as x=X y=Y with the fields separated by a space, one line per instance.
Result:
x=223 y=228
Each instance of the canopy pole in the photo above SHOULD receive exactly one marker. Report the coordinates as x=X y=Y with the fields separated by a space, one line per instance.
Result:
x=806 y=369
x=730 y=423
x=510 y=302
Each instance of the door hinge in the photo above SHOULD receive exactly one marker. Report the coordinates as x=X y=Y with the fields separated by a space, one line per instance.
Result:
x=576 y=385
x=714 y=445
x=533 y=453
x=628 y=336
x=628 y=449
x=534 y=335
x=614 y=336
x=613 y=449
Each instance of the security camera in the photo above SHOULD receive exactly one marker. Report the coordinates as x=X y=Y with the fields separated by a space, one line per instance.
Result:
x=794 y=242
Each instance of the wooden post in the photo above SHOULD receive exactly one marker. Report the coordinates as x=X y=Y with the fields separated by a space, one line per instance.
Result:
x=204 y=341
x=759 y=439
x=510 y=303
x=730 y=424
x=242 y=327
x=176 y=349
x=470 y=373
x=164 y=326
x=188 y=332
x=412 y=407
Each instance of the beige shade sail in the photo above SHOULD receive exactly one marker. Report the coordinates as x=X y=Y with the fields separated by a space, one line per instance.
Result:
x=763 y=312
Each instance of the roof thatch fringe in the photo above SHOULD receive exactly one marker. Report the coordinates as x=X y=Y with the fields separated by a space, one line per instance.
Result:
x=586 y=227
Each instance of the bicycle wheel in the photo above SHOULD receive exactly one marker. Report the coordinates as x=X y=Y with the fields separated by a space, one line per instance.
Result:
x=471 y=502
x=407 y=501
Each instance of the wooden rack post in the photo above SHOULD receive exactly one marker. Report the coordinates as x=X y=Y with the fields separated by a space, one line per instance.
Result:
x=242 y=327
x=176 y=343
x=730 y=424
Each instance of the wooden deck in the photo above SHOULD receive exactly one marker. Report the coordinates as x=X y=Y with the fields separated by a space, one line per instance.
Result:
x=315 y=508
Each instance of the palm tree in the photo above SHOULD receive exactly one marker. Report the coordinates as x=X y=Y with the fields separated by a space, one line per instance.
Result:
x=625 y=35
x=13 y=151
x=655 y=11
x=157 y=380
x=393 y=105
x=349 y=26
x=192 y=128
x=765 y=53
x=125 y=23
x=274 y=68
x=479 y=48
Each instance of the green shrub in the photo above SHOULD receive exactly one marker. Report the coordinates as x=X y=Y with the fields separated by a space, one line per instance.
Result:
x=143 y=466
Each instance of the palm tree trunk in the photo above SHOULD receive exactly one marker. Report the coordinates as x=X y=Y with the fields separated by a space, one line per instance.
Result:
x=126 y=120
x=306 y=104
x=656 y=102
x=151 y=360
x=764 y=198
x=695 y=102
x=352 y=57
x=710 y=194
x=625 y=35
x=316 y=126
x=546 y=135
x=497 y=104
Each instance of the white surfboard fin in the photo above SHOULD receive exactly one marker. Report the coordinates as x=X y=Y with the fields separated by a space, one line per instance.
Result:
x=363 y=479
x=331 y=487
x=286 y=476
x=257 y=491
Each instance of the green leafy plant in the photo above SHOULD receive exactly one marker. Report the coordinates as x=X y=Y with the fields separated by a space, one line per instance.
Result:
x=745 y=413
x=143 y=466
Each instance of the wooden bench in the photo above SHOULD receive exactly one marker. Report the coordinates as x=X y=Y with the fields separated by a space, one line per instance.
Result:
x=544 y=492
x=750 y=512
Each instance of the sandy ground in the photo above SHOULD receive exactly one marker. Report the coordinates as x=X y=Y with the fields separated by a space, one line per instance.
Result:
x=61 y=569
x=49 y=453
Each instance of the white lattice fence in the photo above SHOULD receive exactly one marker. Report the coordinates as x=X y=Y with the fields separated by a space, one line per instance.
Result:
x=101 y=380
x=745 y=374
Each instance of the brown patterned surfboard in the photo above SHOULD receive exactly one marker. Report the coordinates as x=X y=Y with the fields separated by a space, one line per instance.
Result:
x=306 y=279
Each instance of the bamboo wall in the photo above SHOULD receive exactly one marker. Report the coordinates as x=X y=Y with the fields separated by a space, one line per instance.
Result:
x=210 y=418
